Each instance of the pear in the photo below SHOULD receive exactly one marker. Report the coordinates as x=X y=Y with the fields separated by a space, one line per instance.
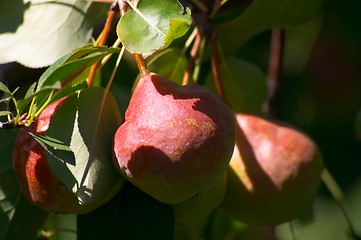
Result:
x=200 y=205
x=192 y=216
x=176 y=141
x=38 y=181
x=274 y=172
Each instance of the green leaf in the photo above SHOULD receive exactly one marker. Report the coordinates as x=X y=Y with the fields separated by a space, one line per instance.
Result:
x=244 y=84
x=5 y=113
x=5 y=89
x=51 y=142
x=169 y=63
x=73 y=67
x=132 y=214
x=69 y=89
x=153 y=25
x=5 y=100
x=262 y=15
x=37 y=32
x=73 y=63
x=86 y=123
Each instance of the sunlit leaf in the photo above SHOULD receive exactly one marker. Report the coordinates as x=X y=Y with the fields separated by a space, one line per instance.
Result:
x=35 y=33
x=86 y=122
x=73 y=68
x=73 y=63
x=152 y=25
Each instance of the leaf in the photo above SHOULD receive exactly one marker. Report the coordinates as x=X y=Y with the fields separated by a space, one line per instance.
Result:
x=5 y=113
x=42 y=31
x=86 y=122
x=169 y=63
x=244 y=84
x=73 y=63
x=74 y=67
x=262 y=15
x=5 y=89
x=132 y=214
x=5 y=100
x=50 y=142
x=153 y=25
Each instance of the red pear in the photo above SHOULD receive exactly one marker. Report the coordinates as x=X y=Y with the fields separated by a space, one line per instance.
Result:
x=274 y=172
x=41 y=186
x=176 y=141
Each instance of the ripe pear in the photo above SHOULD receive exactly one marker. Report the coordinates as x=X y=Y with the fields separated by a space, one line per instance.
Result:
x=176 y=141
x=200 y=205
x=192 y=216
x=274 y=172
x=39 y=183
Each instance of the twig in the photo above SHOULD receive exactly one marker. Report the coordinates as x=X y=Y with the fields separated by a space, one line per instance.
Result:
x=192 y=58
x=273 y=104
x=141 y=65
x=215 y=68
x=102 y=40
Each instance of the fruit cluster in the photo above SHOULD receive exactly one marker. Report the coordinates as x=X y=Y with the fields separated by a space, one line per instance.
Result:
x=176 y=145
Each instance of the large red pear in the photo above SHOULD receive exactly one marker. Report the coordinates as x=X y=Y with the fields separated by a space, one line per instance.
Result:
x=274 y=172
x=176 y=141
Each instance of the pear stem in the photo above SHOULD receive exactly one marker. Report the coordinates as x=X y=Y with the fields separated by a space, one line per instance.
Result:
x=192 y=58
x=273 y=104
x=141 y=65
x=102 y=41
